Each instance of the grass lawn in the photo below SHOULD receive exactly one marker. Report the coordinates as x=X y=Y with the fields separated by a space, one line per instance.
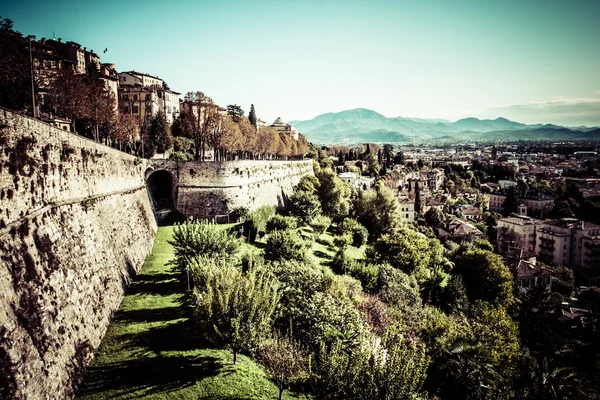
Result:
x=149 y=350
x=324 y=250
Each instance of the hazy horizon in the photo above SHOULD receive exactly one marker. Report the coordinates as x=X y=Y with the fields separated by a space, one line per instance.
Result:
x=532 y=63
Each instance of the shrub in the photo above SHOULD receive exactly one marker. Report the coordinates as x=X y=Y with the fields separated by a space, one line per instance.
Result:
x=367 y=274
x=396 y=287
x=394 y=369
x=360 y=236
x=280 y=223
x=320 y=224
x=285 y=245
x=256 y=222
x=194 y=238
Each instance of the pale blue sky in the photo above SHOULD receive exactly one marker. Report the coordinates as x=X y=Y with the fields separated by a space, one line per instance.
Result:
x=532 y=61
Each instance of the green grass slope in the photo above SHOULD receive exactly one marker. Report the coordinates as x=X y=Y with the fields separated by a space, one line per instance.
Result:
x=149 y=351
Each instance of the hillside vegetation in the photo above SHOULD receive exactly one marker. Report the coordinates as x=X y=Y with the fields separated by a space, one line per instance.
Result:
x=331 y=297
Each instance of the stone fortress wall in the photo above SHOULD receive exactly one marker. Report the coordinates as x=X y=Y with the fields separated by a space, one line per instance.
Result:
x=76 y=223
x=206 y=189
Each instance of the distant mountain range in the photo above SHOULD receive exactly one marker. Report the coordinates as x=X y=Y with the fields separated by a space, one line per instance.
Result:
x=361 y=125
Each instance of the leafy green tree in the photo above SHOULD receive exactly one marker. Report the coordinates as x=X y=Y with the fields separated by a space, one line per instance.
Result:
x=236 y=310
x=394 y=370
x=434 y=216
x=377 y=210
x=252 y=117
x=410 y=252
x=511 y=203
x=305 y=205
x=485 y=277
x=320 y=224
x=333 y=194
x=417 y=198
x=160 y=133
x=388 y=155
x=235 y=112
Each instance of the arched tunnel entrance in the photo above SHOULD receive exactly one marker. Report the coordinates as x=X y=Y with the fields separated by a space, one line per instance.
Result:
x=162 y=191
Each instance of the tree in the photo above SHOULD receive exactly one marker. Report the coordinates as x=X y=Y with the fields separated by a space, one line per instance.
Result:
x=434 y=216
x=485 y=277
x=15 y=84
x=127 y=131
x=160 y=134
x=417 y=198
x=285 y=362
x=511 y=203
x=249 y=135
x=377 y=210
x=411 y=252
x=235 y=310
x=202 y=111
x=69 y=96
x=333 y=194
x=235 y=112
x=388 y=155
x=305 y=205
x=252 y=117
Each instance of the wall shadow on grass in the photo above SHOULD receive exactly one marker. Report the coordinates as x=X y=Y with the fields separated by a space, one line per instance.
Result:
x=149 y=375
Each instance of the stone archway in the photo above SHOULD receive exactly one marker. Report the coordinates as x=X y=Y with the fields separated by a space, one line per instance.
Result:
x=162 y=190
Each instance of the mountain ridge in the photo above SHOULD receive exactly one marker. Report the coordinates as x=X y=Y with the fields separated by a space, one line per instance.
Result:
x=364 y=125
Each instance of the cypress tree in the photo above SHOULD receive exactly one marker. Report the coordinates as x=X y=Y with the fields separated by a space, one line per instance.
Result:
x=252 y=117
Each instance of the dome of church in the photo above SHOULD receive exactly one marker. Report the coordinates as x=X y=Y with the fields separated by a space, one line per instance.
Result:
x=279 y=121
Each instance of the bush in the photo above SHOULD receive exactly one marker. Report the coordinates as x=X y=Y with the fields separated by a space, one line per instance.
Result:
x=194 y=238
x=320 y=224
x=360 y=236
x=285 y=245
x=280 y=223
x=367 y=274
x=354 y=229
x=341 y=262
x=256 y=222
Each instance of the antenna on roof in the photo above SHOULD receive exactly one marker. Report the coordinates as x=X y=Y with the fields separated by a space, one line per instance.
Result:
x=53 y=35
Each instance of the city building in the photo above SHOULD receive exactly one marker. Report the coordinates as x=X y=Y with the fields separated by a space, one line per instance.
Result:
x=517 y=233
x=570 y=243
x=138 y=87
x=407 y=209
x=349 y=178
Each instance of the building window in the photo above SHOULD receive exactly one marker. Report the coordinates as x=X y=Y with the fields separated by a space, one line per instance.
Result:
x=125 y=97
x=406 y=216
x=148 y=96
x=136 y=109
x=126 y=109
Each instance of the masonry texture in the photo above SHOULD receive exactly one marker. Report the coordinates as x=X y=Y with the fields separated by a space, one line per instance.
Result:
x=206 y=189
x=75 y=225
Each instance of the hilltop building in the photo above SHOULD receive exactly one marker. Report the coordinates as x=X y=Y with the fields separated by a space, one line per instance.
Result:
x=282 y=127
x=145 y=95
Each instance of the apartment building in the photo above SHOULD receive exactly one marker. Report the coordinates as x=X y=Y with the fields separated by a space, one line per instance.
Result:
x=154 y=92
